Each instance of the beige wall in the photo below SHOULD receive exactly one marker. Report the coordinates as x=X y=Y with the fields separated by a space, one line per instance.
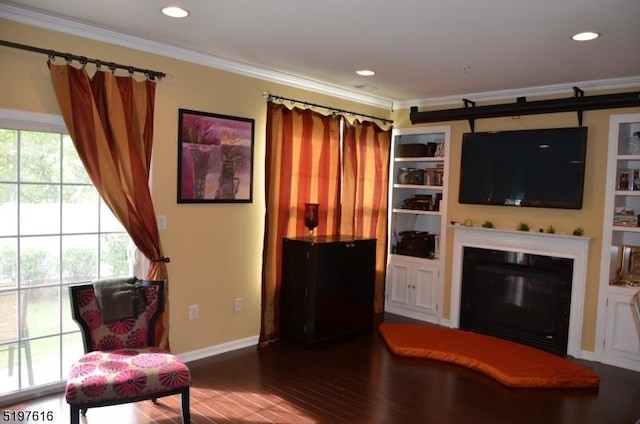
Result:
x=216 y=249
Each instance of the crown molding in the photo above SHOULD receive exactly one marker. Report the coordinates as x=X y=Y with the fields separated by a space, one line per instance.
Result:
x=544 y=90
x=79 y=29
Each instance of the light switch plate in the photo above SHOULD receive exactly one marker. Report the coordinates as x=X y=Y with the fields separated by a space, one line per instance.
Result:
x=162 y=222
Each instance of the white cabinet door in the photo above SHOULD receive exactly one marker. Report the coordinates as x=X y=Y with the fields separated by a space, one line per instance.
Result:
x=399 y=289
x=623 y=332
x=425 y=289
x=412 y=287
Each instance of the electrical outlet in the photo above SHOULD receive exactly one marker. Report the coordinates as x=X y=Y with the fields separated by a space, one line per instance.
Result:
x=237 y=304
x=193 y=312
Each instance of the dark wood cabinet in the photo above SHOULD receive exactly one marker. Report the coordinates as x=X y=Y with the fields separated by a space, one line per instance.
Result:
x=328 y=285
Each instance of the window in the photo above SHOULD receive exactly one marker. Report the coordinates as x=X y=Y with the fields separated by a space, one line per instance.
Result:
x=54 y=231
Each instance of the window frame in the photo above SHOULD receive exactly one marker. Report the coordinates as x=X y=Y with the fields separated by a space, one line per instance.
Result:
x=48 y=123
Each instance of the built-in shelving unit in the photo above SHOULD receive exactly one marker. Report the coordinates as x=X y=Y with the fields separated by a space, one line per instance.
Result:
x=417 y=221
x=618 y=333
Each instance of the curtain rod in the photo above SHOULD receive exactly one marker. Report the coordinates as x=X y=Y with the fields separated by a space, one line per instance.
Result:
x=271 y=97
x=151 y=75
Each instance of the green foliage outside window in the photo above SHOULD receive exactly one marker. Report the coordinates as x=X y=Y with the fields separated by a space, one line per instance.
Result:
x=42 y=170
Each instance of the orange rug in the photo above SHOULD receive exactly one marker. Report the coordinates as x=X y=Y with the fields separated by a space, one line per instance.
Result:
x=512 y=364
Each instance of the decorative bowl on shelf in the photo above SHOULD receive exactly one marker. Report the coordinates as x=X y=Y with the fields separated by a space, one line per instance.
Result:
x=631 y=145
x=412 y=176
x=421 y=202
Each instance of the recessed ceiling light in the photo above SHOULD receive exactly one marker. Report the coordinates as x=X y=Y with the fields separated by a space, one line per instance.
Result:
x=175 y=12
x=365 y=73
x=585 y=36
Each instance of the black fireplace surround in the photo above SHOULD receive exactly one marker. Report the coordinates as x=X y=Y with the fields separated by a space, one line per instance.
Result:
x=516 y=296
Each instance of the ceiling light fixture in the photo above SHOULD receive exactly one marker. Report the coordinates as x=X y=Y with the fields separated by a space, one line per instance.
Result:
x=365 y=73
x=175 y=12
x=585 y=36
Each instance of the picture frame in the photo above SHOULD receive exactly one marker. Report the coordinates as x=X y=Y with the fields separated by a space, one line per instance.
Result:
x=628 y=272
x=625 y=180
x=634 y=261
x=634 y=184
x=215 y=158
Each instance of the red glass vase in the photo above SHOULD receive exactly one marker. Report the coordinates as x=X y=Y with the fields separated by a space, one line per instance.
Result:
x=311 y=216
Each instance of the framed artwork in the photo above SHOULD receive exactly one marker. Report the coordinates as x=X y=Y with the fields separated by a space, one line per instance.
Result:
x=625 y=180
x=634 y=262
x=215 y=158
x=628 y=272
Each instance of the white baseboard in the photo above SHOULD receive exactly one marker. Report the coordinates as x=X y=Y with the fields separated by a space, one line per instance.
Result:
x=210 y=351
x=620 y=362
x=588 y=355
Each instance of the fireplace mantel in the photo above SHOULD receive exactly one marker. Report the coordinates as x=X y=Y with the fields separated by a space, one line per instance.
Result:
x=557 y=245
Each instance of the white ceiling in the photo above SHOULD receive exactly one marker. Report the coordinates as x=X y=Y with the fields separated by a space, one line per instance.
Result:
x=417 y=47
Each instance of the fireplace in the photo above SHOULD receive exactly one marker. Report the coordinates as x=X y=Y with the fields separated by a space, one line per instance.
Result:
x=530 y=287
x=517 y=296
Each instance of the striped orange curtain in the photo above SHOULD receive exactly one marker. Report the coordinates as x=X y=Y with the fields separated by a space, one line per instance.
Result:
x=302 y=166
x=110 y=120
x=364 y=196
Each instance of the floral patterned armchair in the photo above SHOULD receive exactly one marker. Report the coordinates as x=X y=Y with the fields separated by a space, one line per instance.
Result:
x=120 y=364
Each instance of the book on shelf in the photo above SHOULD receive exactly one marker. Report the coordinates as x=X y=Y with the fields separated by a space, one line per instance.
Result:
x=625 y=217
x=623 y=220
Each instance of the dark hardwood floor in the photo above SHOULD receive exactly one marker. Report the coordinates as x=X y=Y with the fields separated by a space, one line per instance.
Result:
x=361 y=381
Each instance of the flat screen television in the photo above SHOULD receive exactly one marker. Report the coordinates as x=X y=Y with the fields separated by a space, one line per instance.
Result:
x=531 y=168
